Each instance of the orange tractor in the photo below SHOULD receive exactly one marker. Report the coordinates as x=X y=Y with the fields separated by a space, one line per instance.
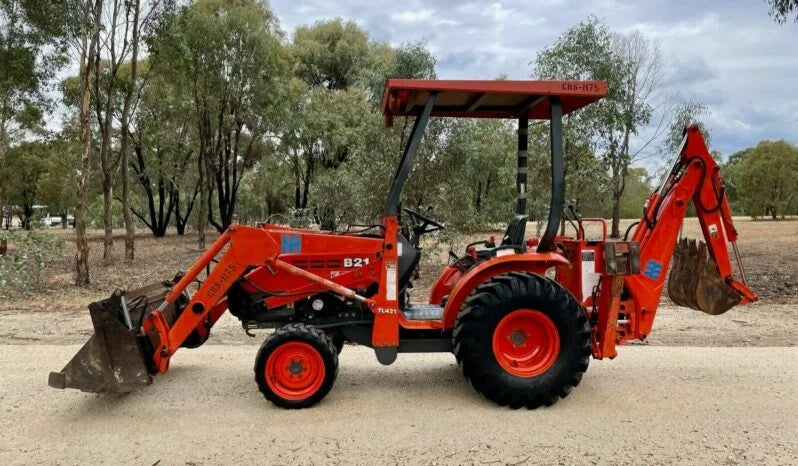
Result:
x=522 y=317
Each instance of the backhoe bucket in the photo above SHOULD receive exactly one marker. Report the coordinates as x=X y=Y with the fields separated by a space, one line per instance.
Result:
x=694 y=281
x=114 y=360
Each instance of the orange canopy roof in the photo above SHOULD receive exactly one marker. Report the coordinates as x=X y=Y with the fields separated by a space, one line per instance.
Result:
x=487 y=99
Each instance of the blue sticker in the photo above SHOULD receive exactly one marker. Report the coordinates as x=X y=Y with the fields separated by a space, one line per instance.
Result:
x=653 y=269
x=290 y=244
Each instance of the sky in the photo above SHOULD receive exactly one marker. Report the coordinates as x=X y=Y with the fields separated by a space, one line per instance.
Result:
x=729 y=55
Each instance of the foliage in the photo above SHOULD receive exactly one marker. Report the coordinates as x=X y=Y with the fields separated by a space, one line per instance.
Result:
x=781 y=10
x=23 y=267
x=638 y=190
x=230 y=55
x=232 y=121
x=630 y=65
x=763 y=179
x=684 y=114
x=26 y=163
x=330 y=54
x=29 y=57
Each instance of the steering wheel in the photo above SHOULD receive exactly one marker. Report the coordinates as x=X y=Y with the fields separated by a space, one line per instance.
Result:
x=423 y=224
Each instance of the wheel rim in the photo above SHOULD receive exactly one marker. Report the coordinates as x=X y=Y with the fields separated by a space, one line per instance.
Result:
x=295 y=370
x=526 y=343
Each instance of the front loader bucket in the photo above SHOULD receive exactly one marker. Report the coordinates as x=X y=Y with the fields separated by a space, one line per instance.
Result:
x=111 y=361
x=694 y=281
x=115 y=359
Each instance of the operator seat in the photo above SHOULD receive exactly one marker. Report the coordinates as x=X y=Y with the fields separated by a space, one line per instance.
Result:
x=513 y=238
x=408 y=261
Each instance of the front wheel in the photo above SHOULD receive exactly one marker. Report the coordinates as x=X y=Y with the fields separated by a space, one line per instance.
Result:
x=296 y=366
x=522 y=340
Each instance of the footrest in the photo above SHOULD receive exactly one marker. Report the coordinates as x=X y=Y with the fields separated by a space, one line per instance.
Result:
x=423 y=312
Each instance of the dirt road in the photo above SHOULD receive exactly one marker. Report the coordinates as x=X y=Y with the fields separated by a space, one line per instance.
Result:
x=652 y=405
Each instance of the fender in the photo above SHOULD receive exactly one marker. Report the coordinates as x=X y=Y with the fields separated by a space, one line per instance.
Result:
x=447 y=280
x=536 y=262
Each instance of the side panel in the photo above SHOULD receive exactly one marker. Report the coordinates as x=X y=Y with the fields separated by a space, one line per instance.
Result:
x=529 y=262
x=352 y=261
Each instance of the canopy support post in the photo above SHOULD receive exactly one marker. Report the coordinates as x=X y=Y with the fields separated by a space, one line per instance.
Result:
x=403 y=170
x=521 y=171
x=557 y=177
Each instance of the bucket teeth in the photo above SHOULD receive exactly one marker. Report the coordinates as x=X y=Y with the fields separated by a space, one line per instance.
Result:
x=694 y=280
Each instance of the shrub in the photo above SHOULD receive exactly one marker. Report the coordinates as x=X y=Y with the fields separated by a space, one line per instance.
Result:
x=22 y=267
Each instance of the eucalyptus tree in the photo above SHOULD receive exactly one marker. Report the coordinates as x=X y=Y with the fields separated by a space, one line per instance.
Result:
x=164 y=148
x=230 y=56
x=631 y=66
x=31 y=50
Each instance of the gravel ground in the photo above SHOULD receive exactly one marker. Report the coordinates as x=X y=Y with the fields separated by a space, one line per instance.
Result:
x=652 y=405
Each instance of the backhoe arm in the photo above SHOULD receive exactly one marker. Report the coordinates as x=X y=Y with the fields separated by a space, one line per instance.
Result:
x=702 y=275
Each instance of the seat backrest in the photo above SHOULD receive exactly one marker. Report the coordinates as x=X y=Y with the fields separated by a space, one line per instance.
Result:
x=514 y=236
x=407 y=261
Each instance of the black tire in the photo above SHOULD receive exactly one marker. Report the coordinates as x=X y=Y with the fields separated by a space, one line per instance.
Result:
x=488 y=304
x=338 y=340
x=297 y=333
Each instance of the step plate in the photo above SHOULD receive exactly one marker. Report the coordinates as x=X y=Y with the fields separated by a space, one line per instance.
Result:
x=423 y=312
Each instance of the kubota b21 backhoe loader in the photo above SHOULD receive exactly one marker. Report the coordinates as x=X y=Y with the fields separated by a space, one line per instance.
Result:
x=520 y=337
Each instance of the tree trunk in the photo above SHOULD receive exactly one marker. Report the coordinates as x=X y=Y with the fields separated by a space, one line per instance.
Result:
x=182 y=220
x=202 y=214
x=108 y=218
x=2 y=166
x=616 y=214
x=130 y=229
x=87 y=79
x=27 y=216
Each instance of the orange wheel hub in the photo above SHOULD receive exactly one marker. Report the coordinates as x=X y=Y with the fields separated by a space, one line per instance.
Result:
x=526 y=343
x=295 y=370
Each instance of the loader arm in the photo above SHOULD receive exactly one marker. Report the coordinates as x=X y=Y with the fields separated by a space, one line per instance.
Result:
x=246 y=247
x=710 y=285
x=124 y=353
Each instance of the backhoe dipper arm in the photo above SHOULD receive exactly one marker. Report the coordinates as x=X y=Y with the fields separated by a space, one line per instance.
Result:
x=696 y=176
x=248 y=247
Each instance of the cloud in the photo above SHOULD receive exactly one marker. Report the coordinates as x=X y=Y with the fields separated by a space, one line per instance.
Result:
x=422 y=16
x=728 y=55
x=413 y=16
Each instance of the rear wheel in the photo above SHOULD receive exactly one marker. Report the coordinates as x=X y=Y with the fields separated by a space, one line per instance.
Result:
x=522 y=340
x=296 y=366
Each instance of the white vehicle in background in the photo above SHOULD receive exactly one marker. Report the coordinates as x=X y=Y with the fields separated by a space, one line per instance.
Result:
x=55 y=220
